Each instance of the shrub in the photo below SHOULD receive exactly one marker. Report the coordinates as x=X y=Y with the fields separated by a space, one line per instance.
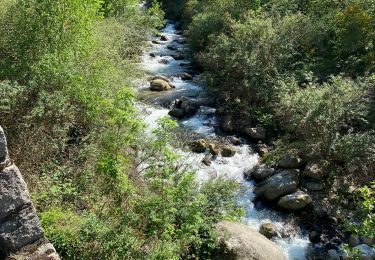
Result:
x=332 y=119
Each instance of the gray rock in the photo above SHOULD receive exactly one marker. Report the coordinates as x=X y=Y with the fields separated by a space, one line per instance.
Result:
x=190 y=106
x=3 y=147
x=155 y=42
x=257 y=133
x=14 y=194
x=161 y=77
x=294 y=202
x=164 y=38
x=186 y=76
x=240 y=242
x=228 y=151
x=20 y=230
x=289 y=162
x=365 y=252
x=177 y=113
x=282 y=183
x=178 y=56
x=332 y=255
x=159 y=85
x=316 y=169
x=20 y=225
x=261 y=174
x=164 y=61
x=314 y=186
x=268 y=230
x=40 y=250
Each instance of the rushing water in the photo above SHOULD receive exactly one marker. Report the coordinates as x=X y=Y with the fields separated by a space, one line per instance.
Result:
x=204 y=123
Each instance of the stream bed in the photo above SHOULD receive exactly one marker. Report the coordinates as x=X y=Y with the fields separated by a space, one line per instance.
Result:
x=158 y=60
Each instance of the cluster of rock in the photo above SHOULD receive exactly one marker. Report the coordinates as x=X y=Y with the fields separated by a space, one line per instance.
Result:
x=281 y=186
x=21 y=233
x=185 y=107
x=211 y=149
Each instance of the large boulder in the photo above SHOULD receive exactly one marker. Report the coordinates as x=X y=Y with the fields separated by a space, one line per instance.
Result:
x=365 y=252
x=294 y=202
x=316 y=169
x=241 y=242
x=20 y=228
x=159 y=85
x=289 y=162
x=260 y=174
x=190 y=106
x=282 y=183
x=256 y=133
x=20 y=225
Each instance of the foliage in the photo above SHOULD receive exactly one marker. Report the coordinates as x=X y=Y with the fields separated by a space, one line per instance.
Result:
x=363 y=223
x=166 y=215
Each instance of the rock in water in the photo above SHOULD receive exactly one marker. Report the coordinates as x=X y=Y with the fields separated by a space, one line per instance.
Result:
x=207 y=160
x=186 y=76
x=268 y=230
x=228 y=151
x=289 y=162
x=3 y=147
x=282 y=183
x=294 y=202
x=177 y=113
x=164 y=38
x=159 y=85
x=241 y=242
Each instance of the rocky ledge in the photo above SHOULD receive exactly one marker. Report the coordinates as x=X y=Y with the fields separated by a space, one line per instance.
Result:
x=21 y=233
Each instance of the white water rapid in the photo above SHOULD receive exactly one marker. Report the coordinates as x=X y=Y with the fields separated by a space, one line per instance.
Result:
x=158 y=61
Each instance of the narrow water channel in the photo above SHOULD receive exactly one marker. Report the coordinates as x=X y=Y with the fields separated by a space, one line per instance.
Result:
x=158 y=60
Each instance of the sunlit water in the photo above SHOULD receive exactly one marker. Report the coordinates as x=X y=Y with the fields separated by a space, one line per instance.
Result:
x=204 y=123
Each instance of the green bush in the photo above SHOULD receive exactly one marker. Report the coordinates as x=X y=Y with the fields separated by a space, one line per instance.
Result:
x=332 y=119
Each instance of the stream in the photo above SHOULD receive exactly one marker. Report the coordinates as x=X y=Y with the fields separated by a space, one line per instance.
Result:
x=158 y=60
